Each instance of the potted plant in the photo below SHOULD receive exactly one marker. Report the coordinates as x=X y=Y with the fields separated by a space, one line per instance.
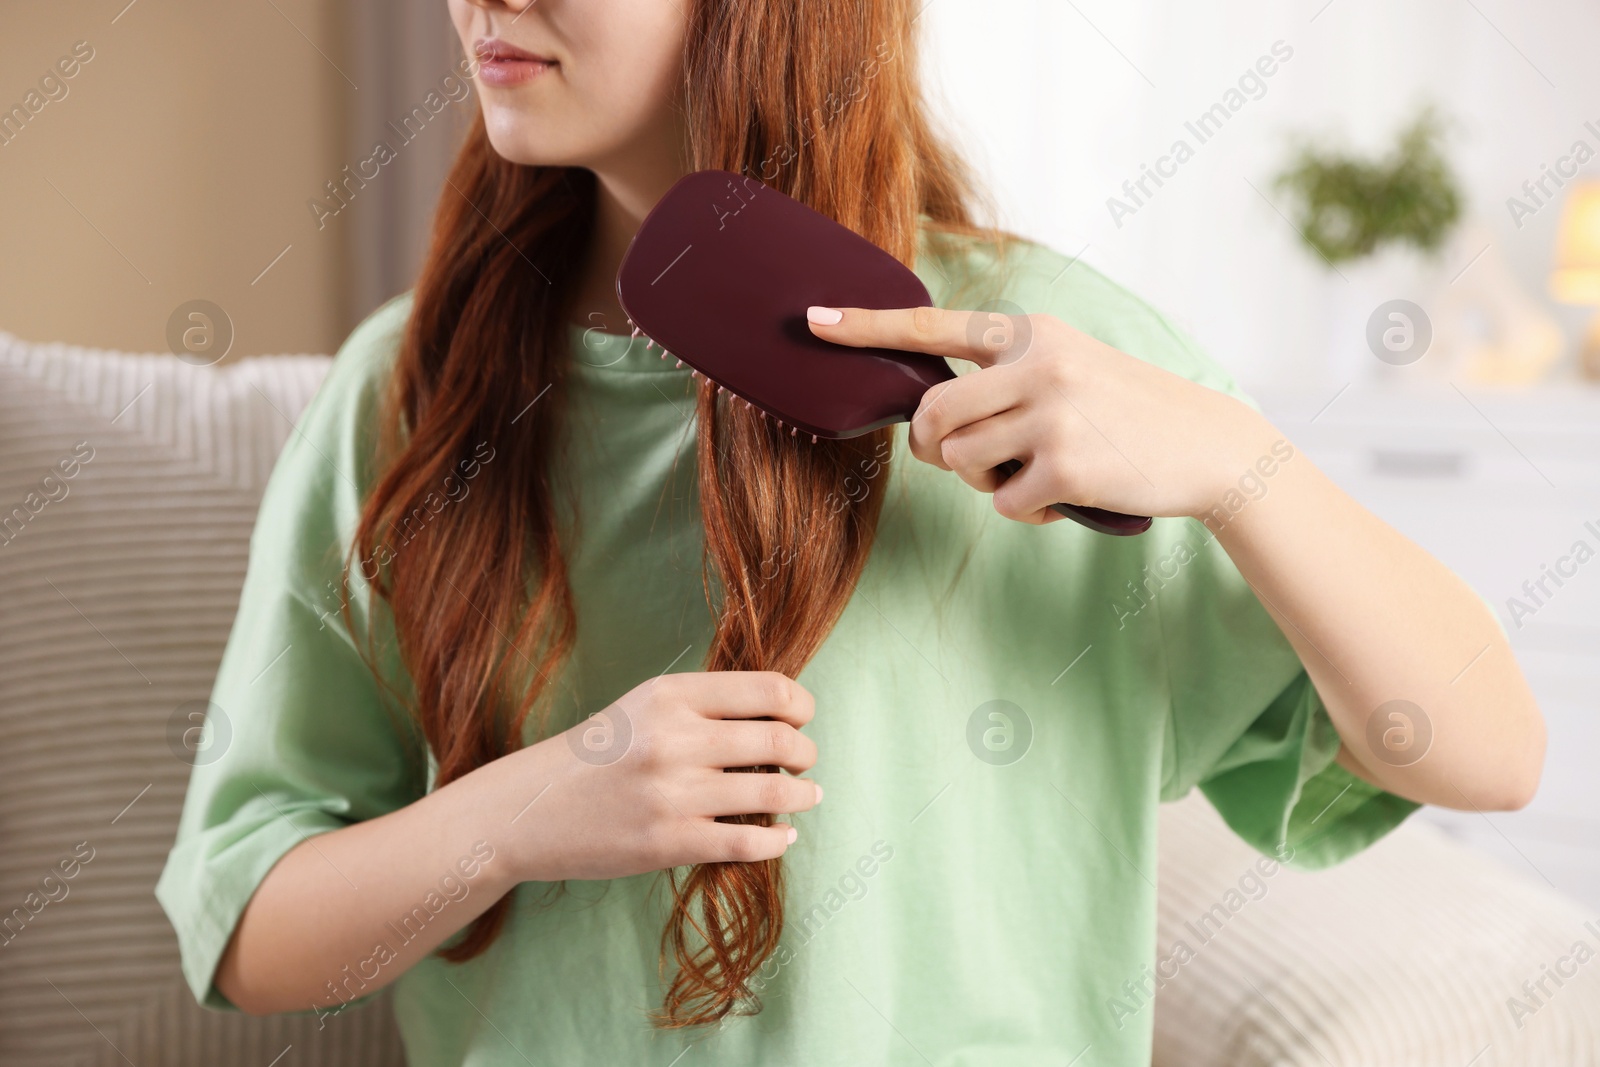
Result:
x=1347 y=208
x=1378 y=226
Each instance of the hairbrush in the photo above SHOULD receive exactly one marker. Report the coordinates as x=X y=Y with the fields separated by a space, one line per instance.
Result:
x=720 y=274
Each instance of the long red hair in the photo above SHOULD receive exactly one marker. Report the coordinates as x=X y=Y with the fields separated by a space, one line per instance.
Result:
x=821 y=103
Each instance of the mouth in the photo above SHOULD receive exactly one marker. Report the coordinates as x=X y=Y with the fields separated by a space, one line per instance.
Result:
x=502 y=63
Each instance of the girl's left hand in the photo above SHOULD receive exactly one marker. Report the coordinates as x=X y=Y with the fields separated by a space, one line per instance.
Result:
x=1092 y=425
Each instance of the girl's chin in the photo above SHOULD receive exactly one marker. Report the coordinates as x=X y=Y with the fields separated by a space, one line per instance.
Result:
x=517 y=139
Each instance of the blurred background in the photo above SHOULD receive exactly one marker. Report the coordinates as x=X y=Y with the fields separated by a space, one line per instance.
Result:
x=1383 y=218
x=178 y=164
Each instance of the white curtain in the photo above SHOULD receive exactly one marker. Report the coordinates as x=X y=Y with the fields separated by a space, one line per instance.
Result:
x=401 y=51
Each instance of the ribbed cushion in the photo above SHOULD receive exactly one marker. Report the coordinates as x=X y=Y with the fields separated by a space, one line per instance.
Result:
x=1407 y=955
x=115 y=601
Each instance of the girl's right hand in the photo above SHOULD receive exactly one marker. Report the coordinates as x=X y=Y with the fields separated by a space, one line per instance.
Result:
x=639 y=786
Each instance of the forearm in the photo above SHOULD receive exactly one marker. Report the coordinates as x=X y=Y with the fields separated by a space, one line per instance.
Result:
x=345 y=913
x=639 y=787
x=1375 y=618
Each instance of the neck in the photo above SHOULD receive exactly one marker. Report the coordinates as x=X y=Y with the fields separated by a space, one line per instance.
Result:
x=620 y=206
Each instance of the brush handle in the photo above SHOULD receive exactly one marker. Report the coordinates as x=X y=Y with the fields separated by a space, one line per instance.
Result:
x=1097 y=519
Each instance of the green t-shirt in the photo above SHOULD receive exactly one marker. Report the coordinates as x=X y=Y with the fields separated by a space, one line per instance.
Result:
x=999 y=710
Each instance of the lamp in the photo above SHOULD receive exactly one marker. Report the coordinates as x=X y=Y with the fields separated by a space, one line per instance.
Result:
x=1576 y=278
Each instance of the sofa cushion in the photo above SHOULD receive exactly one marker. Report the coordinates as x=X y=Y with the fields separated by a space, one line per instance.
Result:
x=1411 y=954
x=128 y=488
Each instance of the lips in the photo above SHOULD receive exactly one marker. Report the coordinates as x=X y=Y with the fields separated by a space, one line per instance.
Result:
x=493 y=49
x=502 y=63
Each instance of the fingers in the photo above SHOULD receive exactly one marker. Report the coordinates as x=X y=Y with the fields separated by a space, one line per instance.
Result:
x=697 y=836
x=1026 y=496
x=760 y=744
x=930 y=330
x=723 y=842
x=960 y=402
x=754 y=794
x=743 y=695
x=974 y=451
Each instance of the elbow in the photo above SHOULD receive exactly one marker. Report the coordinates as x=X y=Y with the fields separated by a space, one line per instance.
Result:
x=254 y=1009
x=1514 y=794
x=1518 y=781
x=234 y=983
x=259 y=1003
x=242 y=996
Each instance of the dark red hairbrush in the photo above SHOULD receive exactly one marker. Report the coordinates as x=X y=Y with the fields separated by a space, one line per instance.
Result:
x=720 y=275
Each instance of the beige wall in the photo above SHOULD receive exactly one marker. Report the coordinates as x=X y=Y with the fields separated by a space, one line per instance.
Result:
x=191 y=142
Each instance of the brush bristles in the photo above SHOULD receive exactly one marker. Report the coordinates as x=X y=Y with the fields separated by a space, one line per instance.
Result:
x=695 y=374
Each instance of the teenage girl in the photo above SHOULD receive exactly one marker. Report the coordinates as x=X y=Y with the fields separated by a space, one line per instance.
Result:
x=522 y=593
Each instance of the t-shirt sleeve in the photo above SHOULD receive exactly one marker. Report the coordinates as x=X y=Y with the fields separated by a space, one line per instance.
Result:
x=300 y=738
x=1278 y=786
x=1245 y=723
x=1246 y=726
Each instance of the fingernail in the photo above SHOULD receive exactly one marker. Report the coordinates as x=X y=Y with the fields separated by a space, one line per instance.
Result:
x=819 y=793
x=824 y=316
x=793 y=833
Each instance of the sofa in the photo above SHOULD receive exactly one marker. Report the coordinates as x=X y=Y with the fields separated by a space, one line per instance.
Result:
x=128 y=486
